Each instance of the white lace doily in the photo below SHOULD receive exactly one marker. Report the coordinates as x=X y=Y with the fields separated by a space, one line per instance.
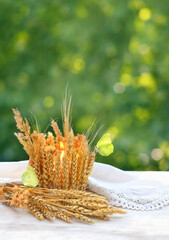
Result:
x=124 y=197
x=129 y=191
x=122 y=189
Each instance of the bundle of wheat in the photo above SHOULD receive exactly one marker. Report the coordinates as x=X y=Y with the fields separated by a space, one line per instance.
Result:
x=46 y=203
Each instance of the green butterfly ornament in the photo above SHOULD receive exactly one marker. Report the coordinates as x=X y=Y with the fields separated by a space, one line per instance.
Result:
x=104 y=145
x=29 y=178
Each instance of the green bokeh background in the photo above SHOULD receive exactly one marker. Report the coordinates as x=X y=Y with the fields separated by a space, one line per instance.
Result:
x=113 y=55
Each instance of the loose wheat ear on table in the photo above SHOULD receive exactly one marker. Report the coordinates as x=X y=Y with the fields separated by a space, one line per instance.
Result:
x=60 y=161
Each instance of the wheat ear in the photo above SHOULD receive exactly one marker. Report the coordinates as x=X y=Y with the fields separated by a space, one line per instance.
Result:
x=32 y=209
x=41 y=208
x=50 y=150
x=74 y=169
x=88 y=169
x=50 y=139
x=24 y=137
x=21 y=125
x=56 y=128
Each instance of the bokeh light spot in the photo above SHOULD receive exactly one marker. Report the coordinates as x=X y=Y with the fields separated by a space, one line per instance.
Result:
x=146 y=80
x=78 y=65
x=21 y=40
x=81 y=12
x=142 y=114
x=84 y=123
x=119 y=88
x=157 y=154
x=144 y=49
x=126 y=79
x=145 y=14
x=48 y=102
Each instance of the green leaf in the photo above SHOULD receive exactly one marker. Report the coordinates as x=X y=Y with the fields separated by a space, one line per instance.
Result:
x=29 y=178
x=104 y=145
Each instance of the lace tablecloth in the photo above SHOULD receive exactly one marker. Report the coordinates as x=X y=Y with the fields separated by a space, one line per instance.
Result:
x=131 y=190
x=128 y=189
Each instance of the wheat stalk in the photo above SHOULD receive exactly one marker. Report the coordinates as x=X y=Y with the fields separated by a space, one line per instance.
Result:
x=66 y=112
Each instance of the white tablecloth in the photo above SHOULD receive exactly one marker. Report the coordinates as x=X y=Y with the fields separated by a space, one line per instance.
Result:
x=18 y=224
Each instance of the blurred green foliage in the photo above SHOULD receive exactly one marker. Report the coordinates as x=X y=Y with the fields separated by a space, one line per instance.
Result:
x=114 y=57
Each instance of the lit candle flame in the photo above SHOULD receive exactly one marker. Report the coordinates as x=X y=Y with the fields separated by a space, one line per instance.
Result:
x=61 y=145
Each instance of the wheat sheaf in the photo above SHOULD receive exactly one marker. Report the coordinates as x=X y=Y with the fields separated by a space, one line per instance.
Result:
x=49 y=204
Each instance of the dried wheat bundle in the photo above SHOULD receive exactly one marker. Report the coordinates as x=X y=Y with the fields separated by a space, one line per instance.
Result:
x=60 y=161
x=48 y=204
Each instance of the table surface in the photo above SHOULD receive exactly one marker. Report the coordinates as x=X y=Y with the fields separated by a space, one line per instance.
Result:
x=19 y=224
